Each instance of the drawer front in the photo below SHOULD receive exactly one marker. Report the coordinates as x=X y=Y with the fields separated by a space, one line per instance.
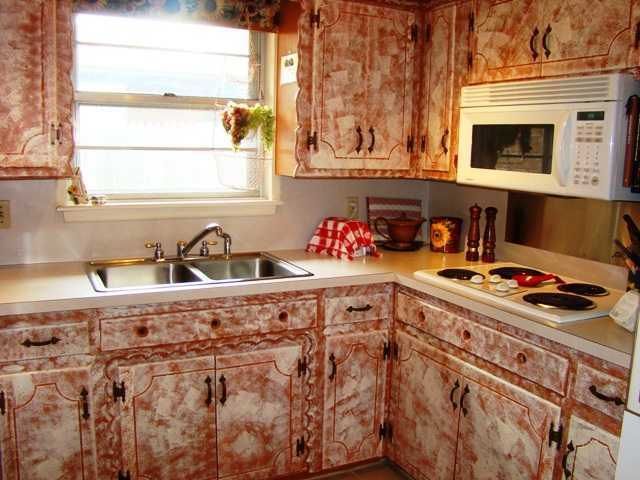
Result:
x=529 y=361
x=600 y=390
x=170 y=328
x=360 y=308
x=42 y=342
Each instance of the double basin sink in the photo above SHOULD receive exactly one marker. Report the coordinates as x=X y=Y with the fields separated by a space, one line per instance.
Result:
x=145 y=274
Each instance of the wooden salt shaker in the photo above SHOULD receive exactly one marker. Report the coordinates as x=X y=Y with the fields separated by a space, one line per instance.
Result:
x=489 y=239
x=473 y=237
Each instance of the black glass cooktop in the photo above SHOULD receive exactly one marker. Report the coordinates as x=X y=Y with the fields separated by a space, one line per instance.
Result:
x=563 y=301
x=458 y=273
x=509 y=272
x=586 y=289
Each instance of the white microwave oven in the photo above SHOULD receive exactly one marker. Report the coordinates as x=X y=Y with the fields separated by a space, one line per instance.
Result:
x=563 y=136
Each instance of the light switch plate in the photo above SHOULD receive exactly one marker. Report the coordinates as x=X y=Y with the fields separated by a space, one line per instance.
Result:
x=5 y=214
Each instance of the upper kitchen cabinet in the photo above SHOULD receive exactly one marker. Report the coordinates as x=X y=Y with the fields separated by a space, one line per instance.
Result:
x=532 y=38
x=356 y=79
x=36 y=92
x=445 y=57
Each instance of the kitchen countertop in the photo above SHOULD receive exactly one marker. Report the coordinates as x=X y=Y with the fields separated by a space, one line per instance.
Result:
x=50 y=287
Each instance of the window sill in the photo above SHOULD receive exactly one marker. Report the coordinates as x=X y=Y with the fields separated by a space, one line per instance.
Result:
x=158 y=210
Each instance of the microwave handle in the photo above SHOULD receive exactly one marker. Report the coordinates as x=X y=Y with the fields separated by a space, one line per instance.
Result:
x=564 y=162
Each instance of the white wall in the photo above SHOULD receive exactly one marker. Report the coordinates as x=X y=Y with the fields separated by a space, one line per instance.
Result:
x=39 y=234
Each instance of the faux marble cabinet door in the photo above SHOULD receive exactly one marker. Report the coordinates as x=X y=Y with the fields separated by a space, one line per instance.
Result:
x=586 y=35
x=591 y=452
x=168 y=426
x=437 y=90
x=35 y=88
x=354 y=398
x=425 y=408
x=46 y=426
x=259 y=407
x=362 y=86
x=504 y=432
x=505 y=33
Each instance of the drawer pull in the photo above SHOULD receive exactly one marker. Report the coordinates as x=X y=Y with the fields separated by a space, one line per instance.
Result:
x=605 y=398
x=545 y=37
x=532 y=40
x=334 y=367
x=522 y=358
x=30 y=343
x=465 y=392
x=84 y=395
x=215 y=323
x=209 y=399
x=142 y=331
x=456 y=386
x=466 y=334
x=223 y=397
x=366 y=308
x=283 y=316
x=567 y=472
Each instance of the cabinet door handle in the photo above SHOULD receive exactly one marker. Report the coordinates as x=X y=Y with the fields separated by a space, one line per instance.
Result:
x=465 y=392
x=372 y=145
x=443 y=141
x=532 y=42
x=334 y=367
x=547 y=52
x=565 y=458
x=209 y=399
x=366 y=308
x=31 y=343
x=223 y=383
x=605 y=398
x=423 y=143
x=456 y=386
x=84 y=395
x=636 y=44
x=3 y=406
x=360 y=139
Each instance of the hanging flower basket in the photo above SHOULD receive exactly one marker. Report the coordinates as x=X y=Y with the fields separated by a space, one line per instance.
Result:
x=240 y=121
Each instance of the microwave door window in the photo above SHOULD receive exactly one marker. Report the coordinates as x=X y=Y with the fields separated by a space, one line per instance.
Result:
x=513 y=148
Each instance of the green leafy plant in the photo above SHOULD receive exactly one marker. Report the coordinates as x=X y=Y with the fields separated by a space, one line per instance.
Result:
x=239 y=120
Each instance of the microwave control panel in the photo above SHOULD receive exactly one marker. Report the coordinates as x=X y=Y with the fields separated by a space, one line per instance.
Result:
x=590 y=149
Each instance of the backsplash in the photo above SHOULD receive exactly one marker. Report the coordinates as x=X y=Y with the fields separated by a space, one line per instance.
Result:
x=39 y=234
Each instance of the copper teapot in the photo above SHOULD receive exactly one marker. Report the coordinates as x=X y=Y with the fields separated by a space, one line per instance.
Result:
x=401 y=229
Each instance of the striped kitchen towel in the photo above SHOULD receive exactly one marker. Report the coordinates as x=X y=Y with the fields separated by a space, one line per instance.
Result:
x=342 y=238
x=391 y=208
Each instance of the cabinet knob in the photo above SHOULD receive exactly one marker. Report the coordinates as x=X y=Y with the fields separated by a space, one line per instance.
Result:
x=283 y=316
x=522 y=358
x=142 y=331
x=215 y=323
x=466 y=335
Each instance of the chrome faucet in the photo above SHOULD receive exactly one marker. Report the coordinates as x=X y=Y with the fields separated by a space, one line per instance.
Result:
x=185 y=248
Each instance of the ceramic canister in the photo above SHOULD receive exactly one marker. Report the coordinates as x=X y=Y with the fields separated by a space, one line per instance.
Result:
x=444 y=234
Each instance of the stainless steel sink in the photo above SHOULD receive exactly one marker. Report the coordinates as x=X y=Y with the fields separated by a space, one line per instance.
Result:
x=145 y=274
x=247 y=267
x=129 y=275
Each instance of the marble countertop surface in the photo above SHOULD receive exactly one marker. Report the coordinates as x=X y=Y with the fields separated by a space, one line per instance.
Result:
x=38 y=288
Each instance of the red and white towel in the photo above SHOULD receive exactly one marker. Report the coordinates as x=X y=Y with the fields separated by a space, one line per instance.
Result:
x=342 y=238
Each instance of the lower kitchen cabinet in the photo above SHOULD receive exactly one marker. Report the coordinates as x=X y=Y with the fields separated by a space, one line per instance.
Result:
x=454 y=420
x=590 y=453
x=354 y=397
x=232 y=416
x=46 y=426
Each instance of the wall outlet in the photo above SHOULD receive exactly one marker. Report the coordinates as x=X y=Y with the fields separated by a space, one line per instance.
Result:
x=5 y=217
x=353 y=204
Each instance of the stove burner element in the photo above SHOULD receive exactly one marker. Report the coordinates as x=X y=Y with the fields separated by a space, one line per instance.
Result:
x=458 y=273
x=563 y=301
x=586 y=289
x=508 y=272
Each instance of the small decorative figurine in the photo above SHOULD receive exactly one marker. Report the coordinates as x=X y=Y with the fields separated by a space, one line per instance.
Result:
x=489 y=239
x=473 y=237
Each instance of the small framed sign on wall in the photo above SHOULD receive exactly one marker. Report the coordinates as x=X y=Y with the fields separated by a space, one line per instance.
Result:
x=288 y=68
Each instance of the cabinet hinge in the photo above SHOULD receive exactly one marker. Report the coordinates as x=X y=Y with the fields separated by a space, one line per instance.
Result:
x=472 y=22
x=119 y=391
x=3 y=405
x=300 y=446
x=410 y=144
x=302 y=366
x=427 y=33
x=414 y=32
x=555 y=435
x=385 y=431
x=312 y=140
x=55 y=134
x=315 y=18
x=124 y=476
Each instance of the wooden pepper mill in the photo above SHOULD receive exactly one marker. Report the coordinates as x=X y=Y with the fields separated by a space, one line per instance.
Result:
x=473 y=237
x=489 y=239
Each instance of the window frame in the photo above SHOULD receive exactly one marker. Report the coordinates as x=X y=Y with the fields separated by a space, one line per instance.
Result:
x=185 y=205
